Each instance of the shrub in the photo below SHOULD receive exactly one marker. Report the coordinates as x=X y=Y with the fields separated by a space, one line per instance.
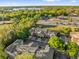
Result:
x=56 y=42
x=72 y=49
x=25 y=56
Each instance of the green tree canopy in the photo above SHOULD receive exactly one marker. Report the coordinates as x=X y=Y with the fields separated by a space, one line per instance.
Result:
x=2 y=53
x=72 y=49
x=22 y=28
x=66 y=30
x=56 y=42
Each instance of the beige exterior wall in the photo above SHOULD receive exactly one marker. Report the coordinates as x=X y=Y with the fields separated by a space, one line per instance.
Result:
x=74 y=37
x=76 y=40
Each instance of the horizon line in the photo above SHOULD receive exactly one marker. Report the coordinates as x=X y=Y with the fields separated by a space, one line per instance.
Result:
x=36 y=5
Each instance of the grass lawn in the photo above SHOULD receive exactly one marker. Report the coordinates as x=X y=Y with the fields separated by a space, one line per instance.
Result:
x=4 y=28
x=57 y=28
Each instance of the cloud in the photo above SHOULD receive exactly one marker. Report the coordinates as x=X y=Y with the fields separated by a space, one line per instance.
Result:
x=59 y=0
x=73 y=0
x=51 y=0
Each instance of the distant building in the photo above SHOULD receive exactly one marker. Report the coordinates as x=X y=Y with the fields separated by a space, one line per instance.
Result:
x=11 y=51
x=75 y=37
x=18 y=47
x=73 y=14
x=62 y=17
x=41 y=32
x=46 y=23
x=15 y=9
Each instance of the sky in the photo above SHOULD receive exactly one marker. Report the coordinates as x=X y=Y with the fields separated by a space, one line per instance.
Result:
x=38 y=2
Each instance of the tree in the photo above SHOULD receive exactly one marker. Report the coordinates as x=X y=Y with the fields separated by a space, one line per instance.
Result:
x=72 y=49
x=2 y=53
x=56 y=42
x=70 y=19
x=22 y=28
x=25 y=56
x=66 y=30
